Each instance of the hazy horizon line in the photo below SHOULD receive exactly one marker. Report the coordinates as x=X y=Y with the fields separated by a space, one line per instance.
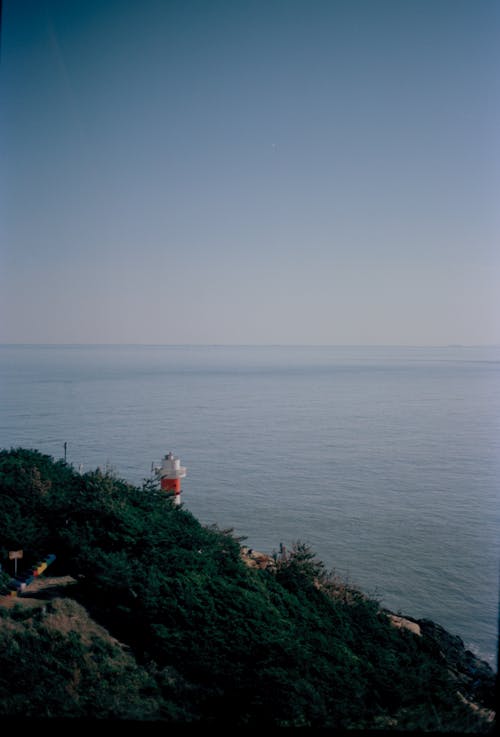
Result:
x=246 y=345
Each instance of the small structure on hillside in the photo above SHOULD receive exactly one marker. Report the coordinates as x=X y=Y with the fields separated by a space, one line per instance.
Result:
x=19 y=583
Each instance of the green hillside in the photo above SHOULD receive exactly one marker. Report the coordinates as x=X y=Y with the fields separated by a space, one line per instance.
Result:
x=167 y=622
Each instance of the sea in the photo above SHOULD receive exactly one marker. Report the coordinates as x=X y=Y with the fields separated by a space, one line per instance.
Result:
x=385 y=460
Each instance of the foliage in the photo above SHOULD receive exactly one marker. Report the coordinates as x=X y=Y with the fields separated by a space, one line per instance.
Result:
x=45 y=673
x=213 y=641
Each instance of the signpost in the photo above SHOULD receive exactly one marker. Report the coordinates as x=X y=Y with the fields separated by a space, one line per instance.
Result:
x=15 y=555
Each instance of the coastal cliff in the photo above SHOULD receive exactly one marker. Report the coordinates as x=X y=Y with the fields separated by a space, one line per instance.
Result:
x=473 y=677
x=148 y=615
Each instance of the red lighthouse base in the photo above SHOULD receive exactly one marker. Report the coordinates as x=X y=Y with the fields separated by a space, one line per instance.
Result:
x=172 y=485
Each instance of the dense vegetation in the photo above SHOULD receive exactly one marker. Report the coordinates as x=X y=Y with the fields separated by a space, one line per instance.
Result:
x=208 y=639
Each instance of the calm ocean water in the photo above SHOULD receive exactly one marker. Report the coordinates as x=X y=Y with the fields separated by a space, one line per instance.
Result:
x=386 y=460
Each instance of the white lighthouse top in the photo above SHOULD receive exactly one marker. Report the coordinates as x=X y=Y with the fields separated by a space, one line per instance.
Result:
x=171 y=467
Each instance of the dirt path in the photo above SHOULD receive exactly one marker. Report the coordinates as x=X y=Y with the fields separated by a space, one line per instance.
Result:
x=40 y=590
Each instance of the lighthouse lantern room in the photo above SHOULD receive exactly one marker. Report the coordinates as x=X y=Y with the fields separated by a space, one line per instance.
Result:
x=171 y=472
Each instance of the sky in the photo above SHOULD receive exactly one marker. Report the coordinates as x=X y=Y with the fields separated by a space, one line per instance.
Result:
x=250 y=172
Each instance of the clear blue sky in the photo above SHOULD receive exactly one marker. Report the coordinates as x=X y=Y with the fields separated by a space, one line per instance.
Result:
x=250 y=171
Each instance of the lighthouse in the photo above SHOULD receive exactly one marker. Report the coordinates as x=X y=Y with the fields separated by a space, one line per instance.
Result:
x=171 y=472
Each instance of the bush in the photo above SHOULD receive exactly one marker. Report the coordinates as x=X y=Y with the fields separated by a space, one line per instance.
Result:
x=214 y=641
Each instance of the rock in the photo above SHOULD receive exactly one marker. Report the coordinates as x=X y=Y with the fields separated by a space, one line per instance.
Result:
x=406 y=624
x=475 y=678
x=254 y=559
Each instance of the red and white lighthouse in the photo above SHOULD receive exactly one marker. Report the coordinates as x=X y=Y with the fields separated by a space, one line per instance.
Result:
x=171 y=472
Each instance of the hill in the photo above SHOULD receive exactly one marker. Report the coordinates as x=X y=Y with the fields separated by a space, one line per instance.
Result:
x=151 y=616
